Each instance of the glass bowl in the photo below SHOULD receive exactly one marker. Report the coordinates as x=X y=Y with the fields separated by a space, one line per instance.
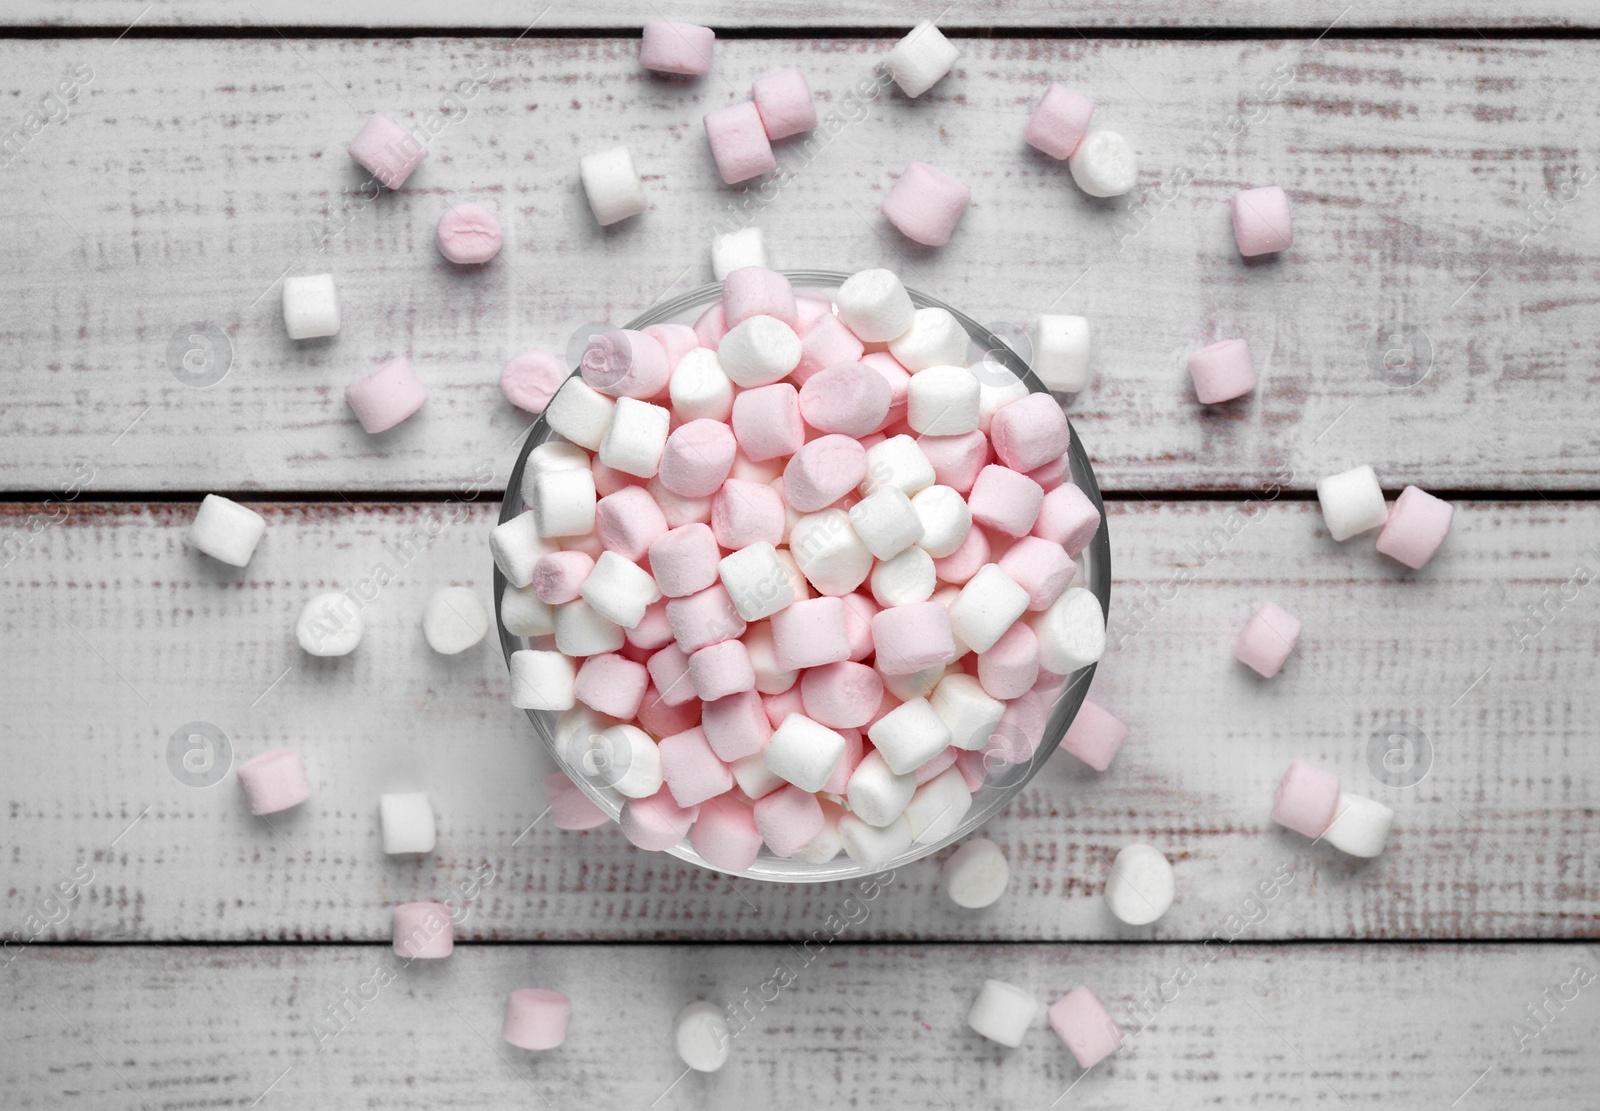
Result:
x=1004 y=781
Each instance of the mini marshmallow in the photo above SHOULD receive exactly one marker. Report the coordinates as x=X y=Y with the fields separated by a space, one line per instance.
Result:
x=699 y=390
x=405 y=823
x=628 y=521
x=877 y=795
x=1307 y=799
x=531 y=378
x=858 y=614
x=700 y=1033
x=227 y=531
x=570 y=808
x=1222 y=371
x=788 y=819
x=848 y=398
x=934 y=338
x=1415 y=530
x=736 y=726
x=1360 y=826
x=967 y=710
x=679 y=511
x=957 y=460
x=581 y=630
x=1030 y=432
x=704 y=618
x=767 y=471
x=329 y=625
x=912 y=638
x=842 y=695
x=611 y=183
x=386 y=397
x=1059 y=122
x=771 y=677
x=910 y=734
x=468 y=235
x=784 y=102
x=1352 y=502
x=1061 y=352
x=725 y=834
x=543 y=680
x=619 y=590
x=564 y=503
x=1010 y=667
x=1067 y=517
x=937 y=809
x=886 y=522
x=636 y=437
x=756 y=582
x=822 y=471
x=1003 y=1013
x=1268 y=640
x=975 y=876
x=918 y=684
x=1041 y=568
x=626 y=759
x=746 y=513
x=1094 y=736
x=758 y=291
x=987 y=605
x=1261 y=221
x=920 y=59
x=611 y=684
x=1104 y=165
x=925 y=204
x=580 y=413
x=1072 y=632
x=943 y=401
x=310 y=306
x=423 y=931
x=536 y=1018
x=682 y=49
x=875 y=306
x=677 y=340
x=1003 y=500
x=691 y=769
x=828 y=343
x=827 y=844
x=669 y=673
x=753 y=777
x=1140 y=888
x=803 y=752
x=998 y=386
x=524 y=615
x=739 y=143
x=735 y=250
x=623 y=362
x=721 y=669
x=454 y=620
x=710 y=326
x=968 y=558
x=897 y=461
x=1084 y=1026
x=906 y=578
x=697 y=458
x=387 y=151
x=945 y=518
x=274 y=780
x=873 y=846
x=684 y=560
x=829 y=553
x=810 y=633
x=652 y=633
x=759 y=352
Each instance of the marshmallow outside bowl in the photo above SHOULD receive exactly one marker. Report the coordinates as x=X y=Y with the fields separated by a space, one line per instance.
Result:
x=1006 y=780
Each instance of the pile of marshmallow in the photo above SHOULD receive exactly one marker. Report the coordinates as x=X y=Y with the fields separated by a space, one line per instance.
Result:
x=799 y=575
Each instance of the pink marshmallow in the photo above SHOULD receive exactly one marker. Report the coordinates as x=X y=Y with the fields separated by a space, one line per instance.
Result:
x=1067 y=517
x=385 y=397
x=468 y=235
x=608 y=480
x=967 y=560
x=859 y=611
x=677 y=340
x=704 y=618
x=273 y=781
x=756 y=291
x=1005 y=501
x=811 y=307
x=1268 y=640
x=653 y=630
x=1084 y=1026
x=669 y=675
x=570 y=808
x=684 y=560
x=1021 y=729
x=611 y=684
x=826 y=343
x=854 y=749
x=721 y=669
x=1059 y=122
x=656 y=823
x=1306 y=800
x=957 y=460
x=1047 y=682
x=810 y=633
x=974 y=771
x=711 y=325
x=910 y=638
x=697 y=458
x=846 y=398
x=784 y=101
x=1053 y=473
x=682 y=49
x=823 y=471
x=766 y=422
x=1222 y=371
x=660 y=720
x=899 y=379
x=692 y=771
x=788 y=819
x=1094 y=736
x=725 y=834
x=1011 y=665
x=536 y=1018
x=841 y=695
x=628 y=521
x=387 y=151
x=531 y=379
x=1030 y=432
x=558 y=576
x=925 y=203
x=739 y=143
x=780 y=706
x=931 y=768
x=423 y=931
x=1418 y=523
x=1041 y=568
x=625 y=363
x=1261 y=221
x=745 y=513
x=736 y=726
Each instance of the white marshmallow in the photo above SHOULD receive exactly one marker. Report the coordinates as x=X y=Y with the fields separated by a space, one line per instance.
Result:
x=938 y=807
x=1061 y=352
x=677 y=509
x=329 y=625
x=552 y=455
x=945 y=520
x=946 y=596
x=804 y=752
x=1003 y=1013
x=875 y=306
x=877 y=795
x=1360 y=826
x=226 y=531
x=517 y=547
x=580 y=413
x=574 y=730
x=1104 y=164
x=759 y=351
x=701 y=1034
x=699 y=389
x=1072 y=632
x=934 y=338
x=968 y=712
x=563 y=504
x=906 y=578
x=886 y=522
x=619 y=590
x=582 y=631
x=406 y=823
x=871 y=846
x=942 y=401
x=637 y=435
x=735 y=250
x=770 y=678
x=752 y=776
x=542 y=680
x=827 y=844
x=310 y=306
x=454 y=621
x=918 y=61
x=987 y=606
x=897 y=461
x=909 y=735
x=1140 y=887
x=523 y=614
x=756 y=581
x=976 y=874
x=998 y=386
x=612 y=185
x=829 y=553
x=1352 y=502
x=918 y=684
x=626 y=760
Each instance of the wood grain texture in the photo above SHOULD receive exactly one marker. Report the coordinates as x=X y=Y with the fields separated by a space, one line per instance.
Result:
x=202 y=171
x=118 y=636
x=876 y=1026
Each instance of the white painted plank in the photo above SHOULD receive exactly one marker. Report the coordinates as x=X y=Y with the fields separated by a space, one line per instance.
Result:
x=873 y=1026
x=117 y=637
x=202 y=171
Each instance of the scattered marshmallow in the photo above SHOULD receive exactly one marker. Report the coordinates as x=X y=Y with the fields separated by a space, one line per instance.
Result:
x=531 y=378
x=310 y=306
x=919 y=60
x=976 y=875
x=1268 y=639
x=1072 y=632
x=1352 y=502
x=1084 y=1026
x=1094 y=736
x=329 y=625
x=735 y=250
x=875 y=305
x=1001 y=1012
x=784 y=102
x=536 y=1018
x=1061 y=352
x=925 y=204
x=1222 y=371
x=1261 y=221
x=454 y=620
x=1360 y=826
x=274 y=780
x=759 y=351
x=1140 y=888
x=700 y=1032
x=683 y=49
x=469 y=235
x=543 y=680
x=739 y=143
x=1104 y=164
x=423 y=931
x=1415 y=529
x=385 y=397
x=1059 y=122
x=611 y=183
x=387 y=151
x=803 y=752
x=227 y=531
x=1307 y=799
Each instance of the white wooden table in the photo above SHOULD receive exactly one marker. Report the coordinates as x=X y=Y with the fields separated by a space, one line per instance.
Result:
x=1438 y=155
